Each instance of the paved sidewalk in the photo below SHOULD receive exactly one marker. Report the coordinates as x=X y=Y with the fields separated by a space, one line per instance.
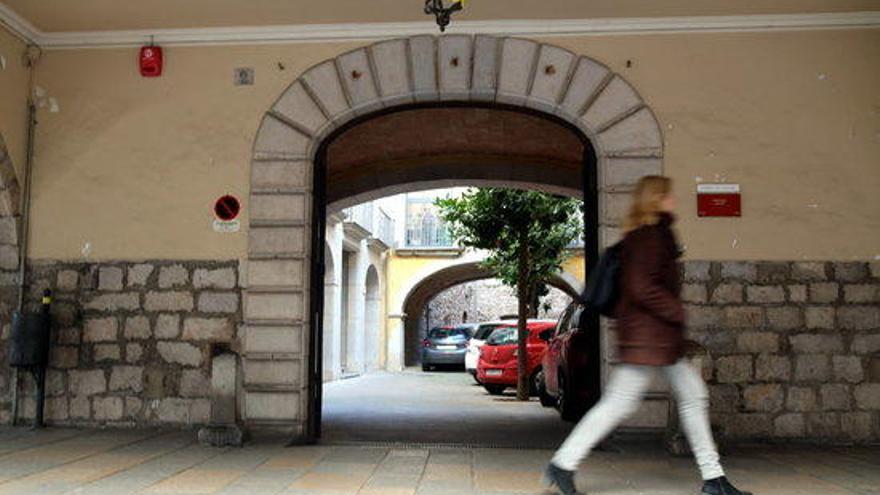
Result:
x=60 y=461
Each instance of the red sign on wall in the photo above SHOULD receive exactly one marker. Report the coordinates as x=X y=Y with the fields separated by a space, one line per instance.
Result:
x=719 y=200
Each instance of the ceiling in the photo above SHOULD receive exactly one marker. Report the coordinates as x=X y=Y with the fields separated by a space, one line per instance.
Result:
x=107 y=15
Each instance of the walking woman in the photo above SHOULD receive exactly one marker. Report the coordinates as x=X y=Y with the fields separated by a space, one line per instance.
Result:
x=650 y=334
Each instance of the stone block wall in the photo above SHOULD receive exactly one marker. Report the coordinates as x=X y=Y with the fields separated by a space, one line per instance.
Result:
x=132 y=342
x=485 y=300
x=795 y=347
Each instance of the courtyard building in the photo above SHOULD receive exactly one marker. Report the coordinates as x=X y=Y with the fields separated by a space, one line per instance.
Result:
x=327 y=124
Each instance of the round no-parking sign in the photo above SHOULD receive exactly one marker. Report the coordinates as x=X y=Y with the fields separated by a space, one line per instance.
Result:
x=226 y=210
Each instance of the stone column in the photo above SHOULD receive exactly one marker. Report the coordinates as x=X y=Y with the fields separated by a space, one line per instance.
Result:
x=355 y=316
x=332 y=329
x=396 y=351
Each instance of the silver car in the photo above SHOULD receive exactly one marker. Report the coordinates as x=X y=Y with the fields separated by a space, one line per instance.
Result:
x=445 y=345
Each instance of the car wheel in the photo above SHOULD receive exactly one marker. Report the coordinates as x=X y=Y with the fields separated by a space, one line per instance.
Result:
x=565 y=403
x=547 y=400
x=535 y=383
x=476 y=379
x=427 y=367
x=494 y=389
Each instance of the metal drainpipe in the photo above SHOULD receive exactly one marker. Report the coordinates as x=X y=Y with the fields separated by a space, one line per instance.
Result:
x=30 y=61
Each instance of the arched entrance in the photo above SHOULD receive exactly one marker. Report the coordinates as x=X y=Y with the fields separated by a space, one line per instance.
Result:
x=487 y=79
x=427 y=287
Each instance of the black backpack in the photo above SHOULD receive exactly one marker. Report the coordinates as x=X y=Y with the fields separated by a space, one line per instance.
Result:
x=603 y=286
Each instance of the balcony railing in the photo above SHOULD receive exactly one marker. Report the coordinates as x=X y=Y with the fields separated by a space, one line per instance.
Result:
x=427 y=232
x=373 y=219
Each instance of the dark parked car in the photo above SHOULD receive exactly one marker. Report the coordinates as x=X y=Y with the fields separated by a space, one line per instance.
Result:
x=445 y=345
x=565 y=366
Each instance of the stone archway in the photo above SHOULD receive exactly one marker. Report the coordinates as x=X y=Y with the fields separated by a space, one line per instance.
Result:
x=425 y=286
x=456 y=69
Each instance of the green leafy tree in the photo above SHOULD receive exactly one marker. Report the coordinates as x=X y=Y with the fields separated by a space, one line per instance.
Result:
x=527 y=234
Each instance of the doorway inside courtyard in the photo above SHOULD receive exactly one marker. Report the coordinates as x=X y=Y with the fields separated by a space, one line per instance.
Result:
x=391 y=274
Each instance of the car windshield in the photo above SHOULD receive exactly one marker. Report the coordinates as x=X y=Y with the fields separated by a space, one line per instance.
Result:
x=484 y=331
x=445 y=333
x=503 y=336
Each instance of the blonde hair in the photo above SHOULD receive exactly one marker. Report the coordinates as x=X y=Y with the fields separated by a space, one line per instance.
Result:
x=646 y=199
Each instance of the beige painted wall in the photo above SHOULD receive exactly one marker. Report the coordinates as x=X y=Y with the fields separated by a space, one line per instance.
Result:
x=13 y=98
x=130 y=167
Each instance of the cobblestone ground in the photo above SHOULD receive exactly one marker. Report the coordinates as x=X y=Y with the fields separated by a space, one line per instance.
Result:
x=444 y=409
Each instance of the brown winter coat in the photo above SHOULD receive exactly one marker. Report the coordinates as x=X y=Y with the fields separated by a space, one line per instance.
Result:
x=650 y=314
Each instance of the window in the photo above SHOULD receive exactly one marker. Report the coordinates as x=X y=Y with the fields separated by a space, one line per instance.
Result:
x=443 y=333
x=503 y=336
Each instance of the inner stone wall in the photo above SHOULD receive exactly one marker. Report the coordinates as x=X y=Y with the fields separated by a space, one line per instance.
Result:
x=485 y=300
x=132 y=342
x=794 y=347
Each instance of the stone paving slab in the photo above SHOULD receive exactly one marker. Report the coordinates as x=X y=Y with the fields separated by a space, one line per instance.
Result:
x=118 y=462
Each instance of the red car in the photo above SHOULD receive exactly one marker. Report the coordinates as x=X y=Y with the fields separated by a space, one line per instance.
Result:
x=569 y=379
x=497 y=368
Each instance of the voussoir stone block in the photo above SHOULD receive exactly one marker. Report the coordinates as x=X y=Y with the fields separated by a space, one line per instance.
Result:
x=357 y=79
x=276 y=240
x=765 y=397
x=424 y=69
x=586 y=81
x=801 y=399
x=323 y=81
x=812 y=367
x=276 y=137
x=637 y=135
x=868 y=396
x=551 y=76
x=616 y=100
x=274 y=306
x=282 y=272
x=392 y=71
x=454 y=62
x=485 y=67
x=859 y=317
x=297 y=105
x=278 y=207
x=279 y=175
x=809 y=271
x=517 y=67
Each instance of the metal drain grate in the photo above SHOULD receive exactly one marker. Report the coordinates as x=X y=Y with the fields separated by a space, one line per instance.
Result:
x=436 y=446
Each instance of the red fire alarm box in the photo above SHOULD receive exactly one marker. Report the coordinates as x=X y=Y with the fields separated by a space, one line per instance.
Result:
x=151 y=61
x=719 y=200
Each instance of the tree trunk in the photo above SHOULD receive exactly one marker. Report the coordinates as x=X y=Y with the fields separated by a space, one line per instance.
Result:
x=523 y=293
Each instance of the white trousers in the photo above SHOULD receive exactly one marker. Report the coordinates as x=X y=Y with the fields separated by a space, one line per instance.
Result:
x=626 y=387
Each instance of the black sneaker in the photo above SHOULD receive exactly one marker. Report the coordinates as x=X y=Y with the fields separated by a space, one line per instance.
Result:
x=720 y=486
x=560 y=478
